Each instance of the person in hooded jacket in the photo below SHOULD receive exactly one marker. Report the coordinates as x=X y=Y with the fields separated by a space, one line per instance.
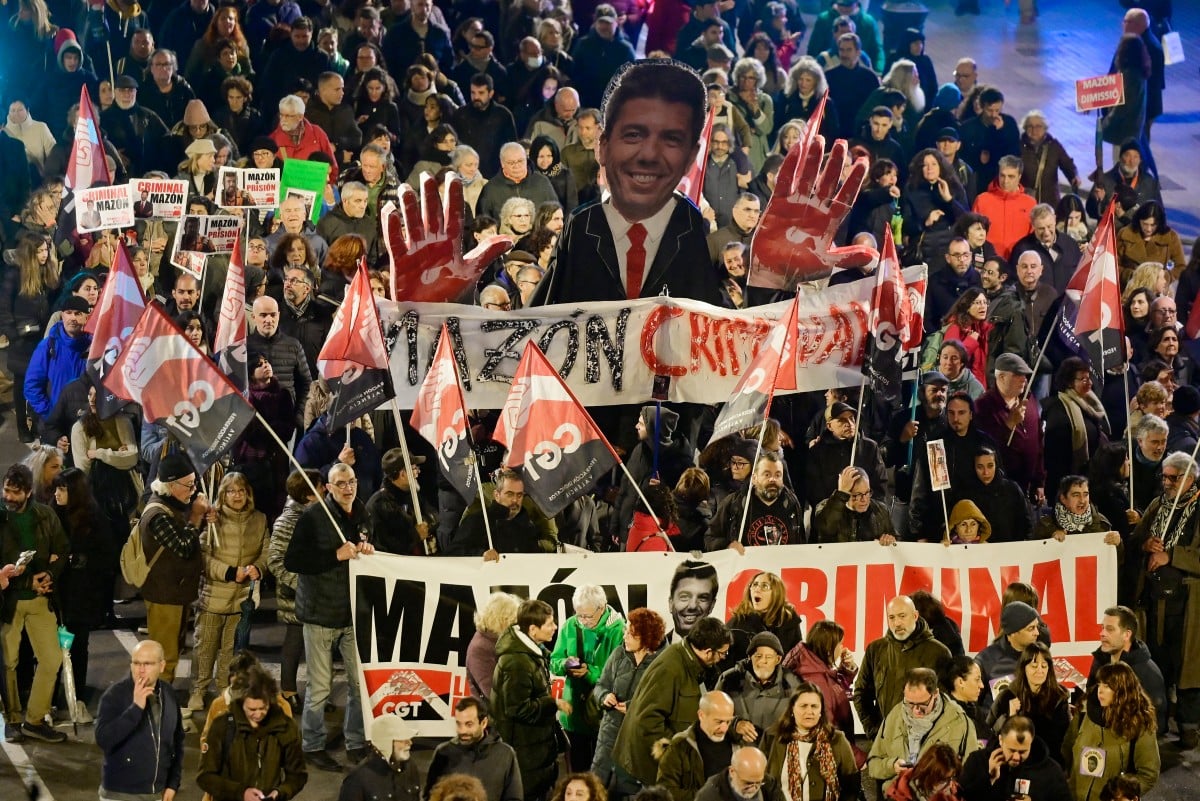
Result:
x=967 y=525
x=674 y=455
x=262 y=752
x=546 y=158
x=388 y=772
x=60 y=88
x=1019 y=756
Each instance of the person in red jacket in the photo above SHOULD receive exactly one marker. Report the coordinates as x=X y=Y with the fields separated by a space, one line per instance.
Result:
x=647 y=534
x=1006 y=204
x=298 y=138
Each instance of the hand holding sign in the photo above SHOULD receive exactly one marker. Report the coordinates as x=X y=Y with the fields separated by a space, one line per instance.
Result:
x=794 y=241
x=424 y=242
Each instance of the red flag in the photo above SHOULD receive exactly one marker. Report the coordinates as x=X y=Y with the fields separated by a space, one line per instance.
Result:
x=230 y=342
x=440 y=416
x=1092 y=322
x=87 y=166
x=354 y=359
x=117 y=311
x=179 y=387
x=890 y=327
x=692 y=183
x=550 y=436
x=773 y=367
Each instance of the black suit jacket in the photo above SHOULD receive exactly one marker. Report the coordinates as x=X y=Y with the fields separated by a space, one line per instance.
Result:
x=587 y=268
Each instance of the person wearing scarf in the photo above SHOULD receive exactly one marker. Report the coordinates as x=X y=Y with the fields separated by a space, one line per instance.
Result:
x=1074 y=514
x=1076 y=423
x=547 y=159
x=811 y=759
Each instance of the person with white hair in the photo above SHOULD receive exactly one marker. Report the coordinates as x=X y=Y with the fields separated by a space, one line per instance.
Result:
x=514 y=180
x=748 y=97
x=388 y=772
x=298 y=138
x=1044 y=157
x=587 y=639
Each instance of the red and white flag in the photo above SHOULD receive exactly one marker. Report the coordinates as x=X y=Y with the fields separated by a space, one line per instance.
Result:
x=773 y=367
x=179 y=387
x=440 y=416
x=117 y=311
x=1092 y=322
x=87 y=166
x=229 y=345
x=550 y=436
x=692 y=183
x=354 y=358
x=890 y=329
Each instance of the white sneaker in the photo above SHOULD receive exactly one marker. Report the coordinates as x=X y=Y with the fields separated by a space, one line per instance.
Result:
x=81 y=713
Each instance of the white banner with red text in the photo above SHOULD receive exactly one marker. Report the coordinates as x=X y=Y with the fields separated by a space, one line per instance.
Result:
x=413 y=619
x=609 y=353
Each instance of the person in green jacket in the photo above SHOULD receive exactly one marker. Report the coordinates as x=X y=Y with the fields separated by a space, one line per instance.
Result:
x=580 y=653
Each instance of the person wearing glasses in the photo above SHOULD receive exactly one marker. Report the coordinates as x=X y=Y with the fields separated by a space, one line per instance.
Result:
x=327 y=536
x=851 y=514
x=170 y=532
x=921 y=719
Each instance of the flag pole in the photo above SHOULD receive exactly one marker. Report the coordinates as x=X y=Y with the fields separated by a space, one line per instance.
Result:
x=945 y=516
x=638 y=490
x=1128 y=430
x=762 y=430
x=320 y=499
x=1029 y=384
x=862 y=392
x=487 y=524
x=404 y=451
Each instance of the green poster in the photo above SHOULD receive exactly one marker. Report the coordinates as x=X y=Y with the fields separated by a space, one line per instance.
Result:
x=306 y=180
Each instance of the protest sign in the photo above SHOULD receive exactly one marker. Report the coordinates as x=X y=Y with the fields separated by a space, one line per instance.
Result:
x=412 y=625
x=103 y=207
x=248 y=188
x=1103 y=91
x=304 y=179
x=158 y=199
x=204 y=235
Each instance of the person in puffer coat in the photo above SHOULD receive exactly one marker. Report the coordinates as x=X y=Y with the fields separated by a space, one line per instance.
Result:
x=234 y=545
x=759 y=686
x=522 y=707
x=262 y=753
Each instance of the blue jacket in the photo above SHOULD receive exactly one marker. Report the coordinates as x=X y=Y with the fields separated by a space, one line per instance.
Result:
x=139 y=757
x=57 y=361
x=319 y=449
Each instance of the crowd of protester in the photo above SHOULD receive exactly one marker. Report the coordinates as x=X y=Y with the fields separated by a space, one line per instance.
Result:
x=510 y=98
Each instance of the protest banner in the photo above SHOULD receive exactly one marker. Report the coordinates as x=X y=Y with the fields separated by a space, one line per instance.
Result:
x=200 y=236
x=305 y=179
x=1103 y=91
x=247 y=188
x=611 y=352
x=103 y=207
x=158 y=199
x=412 y=625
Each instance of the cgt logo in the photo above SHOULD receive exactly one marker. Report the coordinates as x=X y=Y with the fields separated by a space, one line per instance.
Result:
x=548 y=454
x=424 y=692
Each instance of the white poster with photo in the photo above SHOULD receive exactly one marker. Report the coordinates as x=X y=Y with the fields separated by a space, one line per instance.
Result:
x=306 y=197
x=249 y=188
x=160 y=200
x=103 y=207
x=205 y=235
x=939 y=471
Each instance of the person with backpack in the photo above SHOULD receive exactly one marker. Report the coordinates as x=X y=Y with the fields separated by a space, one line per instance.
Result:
x=169 y=535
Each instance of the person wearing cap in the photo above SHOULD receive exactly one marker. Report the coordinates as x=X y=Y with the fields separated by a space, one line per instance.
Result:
x=831 y=454
x=388 y=770
x=261 y=754
x=134 y=129
x=1020 y=627
x=776 y=516
x=394 y=526
x=949 y=144
x=170 y=526
x=199 y=169
x=1183 y=423
x=1001 y=412
x=704 y=12
x=59 y=358
x=1129 y=171
x=600 y=53
x=659 y=443
x=759 y=687
x=909 y=429
x=262 y=153
x=865 y=27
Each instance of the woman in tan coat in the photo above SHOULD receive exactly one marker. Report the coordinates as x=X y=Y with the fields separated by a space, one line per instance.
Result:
x=1149 y=238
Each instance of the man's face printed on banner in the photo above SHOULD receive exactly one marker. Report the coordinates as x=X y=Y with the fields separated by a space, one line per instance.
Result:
x=693 y=598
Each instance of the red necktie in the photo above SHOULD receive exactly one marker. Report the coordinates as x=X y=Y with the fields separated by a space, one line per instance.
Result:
x=635 y=261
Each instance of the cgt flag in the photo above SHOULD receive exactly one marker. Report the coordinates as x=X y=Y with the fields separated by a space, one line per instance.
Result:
x=1092 y=323
x=774 y=367
x=354 y=359
x=890 y=328
x=230 y=342
x=180 y=388
x=691 y=185
x=87 y=166
x=117 y=311
x=550 y=436
x=440 y=416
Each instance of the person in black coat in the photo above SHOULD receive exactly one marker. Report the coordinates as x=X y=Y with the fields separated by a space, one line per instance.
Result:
x=831 y=454
x=547 y=159
x=389 y=771
x=1019 y=756
x=394 y=528
x=998 y=498
x=672 y=454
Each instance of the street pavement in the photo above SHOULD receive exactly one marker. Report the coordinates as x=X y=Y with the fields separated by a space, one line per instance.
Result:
x=1035 y=66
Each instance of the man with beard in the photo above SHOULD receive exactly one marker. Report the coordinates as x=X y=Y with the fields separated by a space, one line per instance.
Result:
x=477 y=751
x=480 y=59
x=759 y=686
x=301 y=317
x=513 y=528
x=484 y=124
x=394 y=525
x=580 y=156
x=298 y=138
x=59 y=358
x=1128 y=171
x=908 y=431
x=27 y=525
x=745 y=216
x=701 y=750
x=775 y=517
x=921 y=718
x=1150 y=446
x=387 y=772
x=881 y=682
x=667 y=700
x=134 y=131
x=1169 y=542
x=746 y=779
x=168 y=93
x=1119 y=643
x=1020 y=765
